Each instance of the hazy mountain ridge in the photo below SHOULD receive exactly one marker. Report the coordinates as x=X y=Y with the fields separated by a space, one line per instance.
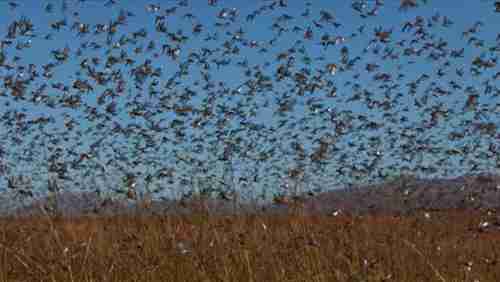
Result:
x=399 y=196
x=409 y=194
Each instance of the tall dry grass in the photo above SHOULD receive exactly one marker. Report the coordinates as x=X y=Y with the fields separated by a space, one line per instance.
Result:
x=444 y=246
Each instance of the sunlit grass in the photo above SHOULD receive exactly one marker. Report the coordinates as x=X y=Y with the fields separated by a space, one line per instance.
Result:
x=439 y=246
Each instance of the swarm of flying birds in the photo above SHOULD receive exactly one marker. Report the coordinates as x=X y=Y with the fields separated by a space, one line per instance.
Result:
x=273 y=102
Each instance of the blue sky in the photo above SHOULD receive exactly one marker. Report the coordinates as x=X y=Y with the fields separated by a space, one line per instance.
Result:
x=272 y=175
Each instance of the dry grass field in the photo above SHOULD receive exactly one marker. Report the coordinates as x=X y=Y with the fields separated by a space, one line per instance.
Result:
x=452 y=245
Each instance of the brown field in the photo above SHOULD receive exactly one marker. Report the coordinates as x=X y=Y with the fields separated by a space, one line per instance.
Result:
x=452 y=245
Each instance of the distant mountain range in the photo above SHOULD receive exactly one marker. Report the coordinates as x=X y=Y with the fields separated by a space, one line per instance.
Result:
x=409 y=194
x=401 y=196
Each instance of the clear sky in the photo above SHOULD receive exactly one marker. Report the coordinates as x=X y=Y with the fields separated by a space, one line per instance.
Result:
x=314 y=115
